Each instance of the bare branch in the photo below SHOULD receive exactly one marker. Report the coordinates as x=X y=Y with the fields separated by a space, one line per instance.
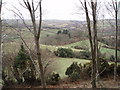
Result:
x=82 y=4
x=19 y=14
x=36 y=7
x=22 y=4
x=111 y=13
x=113 y=5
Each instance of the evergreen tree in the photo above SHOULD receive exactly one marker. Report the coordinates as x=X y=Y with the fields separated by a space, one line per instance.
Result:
x=21 y=58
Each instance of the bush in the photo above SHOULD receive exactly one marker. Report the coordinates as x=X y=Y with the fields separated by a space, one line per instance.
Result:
x=87 y=69
x=64 y=52
x=53 y=78
x=67 y=52
x=103 y=67
x=111 y=69
x=65 y=32
x=73 y=71
x=85 y=55
x=29 y=77
x=59 y=32
x=77 y=55
x=118 y=70
x=112 y=58
x=75 y=76
x=5 y=82
x=78 y=47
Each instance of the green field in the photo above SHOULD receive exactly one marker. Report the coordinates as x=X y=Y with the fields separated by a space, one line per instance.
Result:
x=12 y=34
x=108 y=52
x=85 y=44
x=50 y=32
x=8 y=47
x=54 y=48
x=61 y=64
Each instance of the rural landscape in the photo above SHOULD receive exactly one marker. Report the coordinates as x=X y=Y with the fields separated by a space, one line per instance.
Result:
x=43 y=54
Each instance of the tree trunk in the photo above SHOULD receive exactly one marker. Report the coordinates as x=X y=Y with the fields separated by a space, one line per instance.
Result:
x=0 y=41
x=93 y=74
x=37 y=32
x=40 y=62
x=93 y=4
x=116 y=46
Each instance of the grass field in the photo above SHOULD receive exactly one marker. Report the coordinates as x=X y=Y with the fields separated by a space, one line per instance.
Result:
x=8 y=47
x=54 y=48
x=12 y=35
x=85 y=44
x=108 y=52
x=50 y=32
x=14 y=46
x=61 y=64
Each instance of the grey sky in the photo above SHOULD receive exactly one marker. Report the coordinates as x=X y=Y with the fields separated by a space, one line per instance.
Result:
x=52 y=9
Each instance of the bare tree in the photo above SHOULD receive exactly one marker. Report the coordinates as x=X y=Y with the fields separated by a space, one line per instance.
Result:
x=0 y=39
x=32 y=9
x=36 y=32
x=114 y=7
x=116 y=47
x=92 y=35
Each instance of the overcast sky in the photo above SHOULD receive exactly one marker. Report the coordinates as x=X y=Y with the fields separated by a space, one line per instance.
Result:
x=52 y=9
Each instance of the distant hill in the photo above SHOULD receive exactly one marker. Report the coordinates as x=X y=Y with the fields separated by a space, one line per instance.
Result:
x=66 y=24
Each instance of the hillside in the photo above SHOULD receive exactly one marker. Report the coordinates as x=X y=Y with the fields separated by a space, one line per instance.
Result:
x=56 y=34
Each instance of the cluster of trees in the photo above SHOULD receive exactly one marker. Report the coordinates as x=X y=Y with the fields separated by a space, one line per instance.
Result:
x=22 y=69
x=63 y=32
x=18 y=68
